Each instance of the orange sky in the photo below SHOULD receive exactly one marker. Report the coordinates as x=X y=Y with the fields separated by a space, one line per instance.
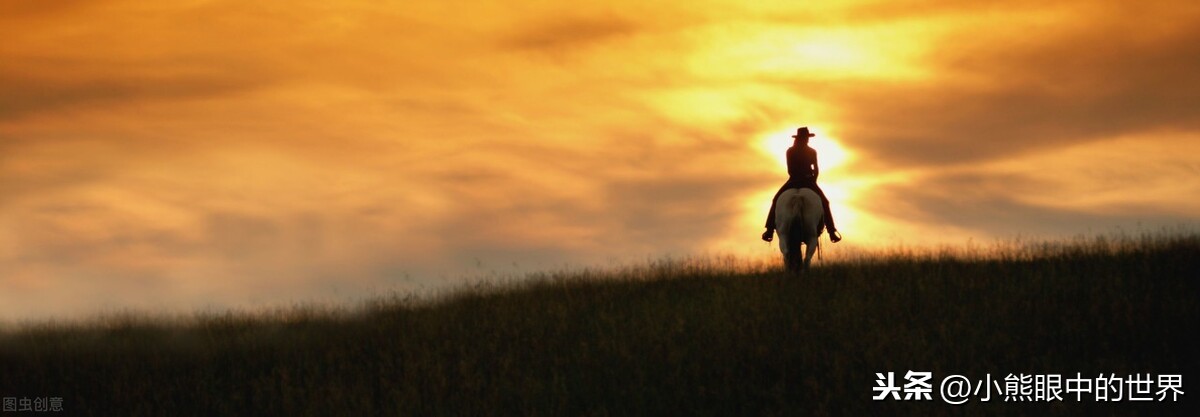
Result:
x=200 y=153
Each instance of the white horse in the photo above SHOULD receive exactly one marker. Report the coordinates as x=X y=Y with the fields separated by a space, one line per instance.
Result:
x=798 y=219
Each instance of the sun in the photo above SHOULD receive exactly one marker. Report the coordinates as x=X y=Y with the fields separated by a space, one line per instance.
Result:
x=830 y=153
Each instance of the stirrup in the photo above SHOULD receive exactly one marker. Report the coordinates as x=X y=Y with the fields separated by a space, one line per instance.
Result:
x=835 y=236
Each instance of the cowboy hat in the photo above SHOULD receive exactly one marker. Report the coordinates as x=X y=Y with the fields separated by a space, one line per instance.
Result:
x=803 y=133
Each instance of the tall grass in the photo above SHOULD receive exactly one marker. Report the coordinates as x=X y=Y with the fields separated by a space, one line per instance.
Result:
x=698 y=337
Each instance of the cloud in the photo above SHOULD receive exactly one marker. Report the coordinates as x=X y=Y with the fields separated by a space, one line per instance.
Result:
x=25 y=9
x=1028 y=88
x=1084 y=188
x=560 y=33
x=958 y=204
x=30 y=94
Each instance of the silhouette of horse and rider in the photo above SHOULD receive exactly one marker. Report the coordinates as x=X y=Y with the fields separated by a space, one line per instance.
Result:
x=803 y=171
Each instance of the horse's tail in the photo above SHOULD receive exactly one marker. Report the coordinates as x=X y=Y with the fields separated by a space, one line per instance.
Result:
x=811 y=215
x=797 y=232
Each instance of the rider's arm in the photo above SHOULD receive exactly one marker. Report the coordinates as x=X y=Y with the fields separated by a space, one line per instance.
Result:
x=816 y=168
x=791 y=162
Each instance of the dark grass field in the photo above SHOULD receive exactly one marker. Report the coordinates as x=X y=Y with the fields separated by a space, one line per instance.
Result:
x=692 y=338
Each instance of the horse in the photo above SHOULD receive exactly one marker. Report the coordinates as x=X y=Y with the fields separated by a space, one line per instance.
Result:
x=798 y=219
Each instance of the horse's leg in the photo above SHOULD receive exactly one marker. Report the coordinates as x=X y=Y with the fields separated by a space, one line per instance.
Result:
x=812 y=223
x=810 y=248
x=793 y=259
x=791 y=256
x=783 y=248
x=783 y=230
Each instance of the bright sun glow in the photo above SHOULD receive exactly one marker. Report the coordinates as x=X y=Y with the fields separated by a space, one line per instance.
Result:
x=815 y=52
x=830 y=153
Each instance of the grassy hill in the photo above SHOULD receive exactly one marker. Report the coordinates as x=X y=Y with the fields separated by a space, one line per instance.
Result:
x=670 y=338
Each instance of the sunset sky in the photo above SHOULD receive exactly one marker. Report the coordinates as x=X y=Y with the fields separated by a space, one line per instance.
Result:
x=209 y=154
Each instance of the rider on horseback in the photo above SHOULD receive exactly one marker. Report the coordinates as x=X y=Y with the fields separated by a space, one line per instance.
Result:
x=802 y=173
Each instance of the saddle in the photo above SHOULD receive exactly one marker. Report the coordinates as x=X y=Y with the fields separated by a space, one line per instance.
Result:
x=794 y=183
